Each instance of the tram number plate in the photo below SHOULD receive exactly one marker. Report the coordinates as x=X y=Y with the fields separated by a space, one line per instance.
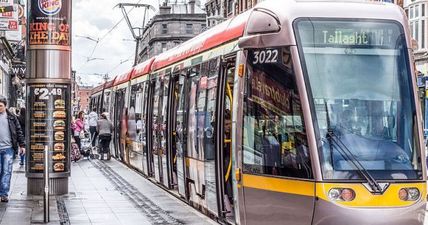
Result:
x=264 y=56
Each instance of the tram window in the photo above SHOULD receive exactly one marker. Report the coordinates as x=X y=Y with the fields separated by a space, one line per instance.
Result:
x=202 y=114
x=136 y=112
x=106 y=101
x=372 y=124
x=193 y=113
x=163 y=113
x=180 y=95
x=209 y=130
x=274 y=136
x=156 y=110
x=144 y=97
x=113 y=96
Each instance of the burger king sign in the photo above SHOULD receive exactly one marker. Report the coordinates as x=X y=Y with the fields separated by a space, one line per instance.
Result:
x=50 y=7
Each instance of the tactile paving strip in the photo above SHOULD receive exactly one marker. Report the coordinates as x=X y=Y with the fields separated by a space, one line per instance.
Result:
x=153 y=212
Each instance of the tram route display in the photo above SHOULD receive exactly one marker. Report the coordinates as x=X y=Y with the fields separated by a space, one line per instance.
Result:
x=48 y=126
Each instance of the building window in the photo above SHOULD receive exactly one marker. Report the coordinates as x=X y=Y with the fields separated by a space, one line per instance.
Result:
x=203 y=26
x=189 y=28
x=416 y=11
x=229 y=7
x=423 y=10
x=423 y=34
x=411 y=13
x=164 y=48
x=164 y=28
x=416 y=31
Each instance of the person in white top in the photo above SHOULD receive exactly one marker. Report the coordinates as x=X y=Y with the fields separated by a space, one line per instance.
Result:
x=92 y=119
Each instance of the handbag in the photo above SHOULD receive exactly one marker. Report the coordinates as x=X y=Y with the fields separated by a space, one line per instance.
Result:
x=76 y=133
x=82 y=135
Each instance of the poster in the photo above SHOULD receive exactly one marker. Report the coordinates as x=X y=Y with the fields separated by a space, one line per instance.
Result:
x=48 y=127
x=8 y=16
x=49 y=25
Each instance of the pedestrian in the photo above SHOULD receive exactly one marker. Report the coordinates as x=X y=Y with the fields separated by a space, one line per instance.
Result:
x=78 y=127
x=21 y=119
x=105 y=130
x=93 y=118
x=12 y=110
x=11 y=140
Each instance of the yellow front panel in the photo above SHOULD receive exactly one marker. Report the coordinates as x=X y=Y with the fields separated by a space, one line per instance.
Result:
x=284 y=185
x=364 y=198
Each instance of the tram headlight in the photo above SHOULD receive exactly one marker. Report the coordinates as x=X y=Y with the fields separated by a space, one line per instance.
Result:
x=334 y=194
x=341 y=194
x=409 y=194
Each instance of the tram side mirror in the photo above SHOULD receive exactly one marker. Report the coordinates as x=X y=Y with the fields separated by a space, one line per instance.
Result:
x=263 y=21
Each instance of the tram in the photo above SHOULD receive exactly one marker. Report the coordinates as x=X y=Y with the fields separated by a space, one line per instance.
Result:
x=294 y=112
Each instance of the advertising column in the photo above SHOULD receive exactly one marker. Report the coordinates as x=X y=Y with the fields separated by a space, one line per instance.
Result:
x=48 y=94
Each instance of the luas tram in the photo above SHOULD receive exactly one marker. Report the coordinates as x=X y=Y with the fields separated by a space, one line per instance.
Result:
x=295 y=112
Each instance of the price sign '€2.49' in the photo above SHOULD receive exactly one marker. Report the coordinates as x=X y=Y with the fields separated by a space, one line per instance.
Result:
x=48 y=126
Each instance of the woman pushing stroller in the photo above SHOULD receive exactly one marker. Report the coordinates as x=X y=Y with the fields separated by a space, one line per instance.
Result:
x=105 y=130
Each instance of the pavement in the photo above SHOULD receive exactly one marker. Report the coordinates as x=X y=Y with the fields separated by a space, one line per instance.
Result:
x=100 y=192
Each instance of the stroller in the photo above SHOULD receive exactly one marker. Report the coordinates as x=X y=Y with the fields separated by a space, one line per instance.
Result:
x=75 y=153
x=87 y=149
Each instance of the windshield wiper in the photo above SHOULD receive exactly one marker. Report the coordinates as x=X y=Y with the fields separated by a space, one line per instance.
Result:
x=346 y=153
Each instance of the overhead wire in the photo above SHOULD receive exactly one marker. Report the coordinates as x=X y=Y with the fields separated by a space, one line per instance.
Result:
x=120 y=63
x=104 y=36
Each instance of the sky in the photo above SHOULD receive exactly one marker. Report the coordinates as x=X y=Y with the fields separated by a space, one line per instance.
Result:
x=115 y=51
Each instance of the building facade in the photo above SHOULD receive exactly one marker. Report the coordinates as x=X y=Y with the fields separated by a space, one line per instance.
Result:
x=417 y=13
x=218 y=11
x=174 y=24
x=83 y=97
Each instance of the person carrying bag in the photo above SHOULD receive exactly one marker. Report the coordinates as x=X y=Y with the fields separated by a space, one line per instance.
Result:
x=78 y=127
x=104 y=130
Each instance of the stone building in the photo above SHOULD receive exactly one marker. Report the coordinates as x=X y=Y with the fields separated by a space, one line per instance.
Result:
x=174 y=24
x=83 y=97
x=418 y=17
x=218 y=11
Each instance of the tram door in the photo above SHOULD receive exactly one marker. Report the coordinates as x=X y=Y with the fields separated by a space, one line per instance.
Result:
x=163 y=131
x=116 y=117
x=121 y=121
x=111 y=117
x=224 y=142
x=159 y=125
x=276 y=170
x=178 y=132
x=149 y=128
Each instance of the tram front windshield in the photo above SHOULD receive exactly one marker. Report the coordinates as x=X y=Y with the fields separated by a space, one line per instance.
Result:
x=363 y=100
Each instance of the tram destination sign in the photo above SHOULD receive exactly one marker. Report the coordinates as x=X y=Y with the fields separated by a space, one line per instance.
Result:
x=363 y=34
x=49 y=25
